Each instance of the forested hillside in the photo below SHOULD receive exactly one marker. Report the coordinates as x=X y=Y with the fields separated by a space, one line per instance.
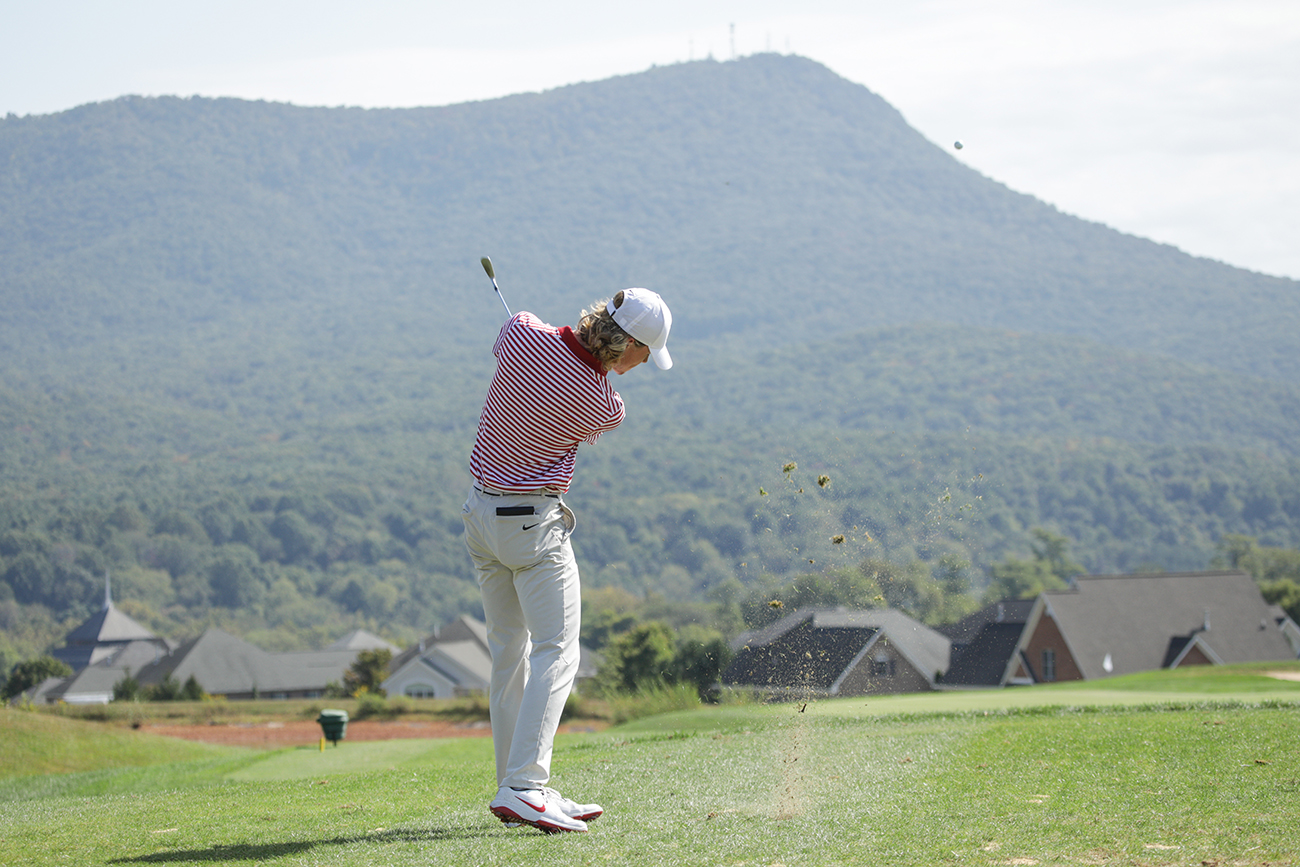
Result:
x=245 y=344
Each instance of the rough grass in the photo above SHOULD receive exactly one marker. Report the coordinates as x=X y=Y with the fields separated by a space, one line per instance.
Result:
x=261 y=710
x=47 y=744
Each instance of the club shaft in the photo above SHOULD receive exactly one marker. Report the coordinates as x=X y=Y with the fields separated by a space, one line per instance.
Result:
x=502 y=297
x=492 y=275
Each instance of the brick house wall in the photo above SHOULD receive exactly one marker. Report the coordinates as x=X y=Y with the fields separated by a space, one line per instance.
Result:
x=883 y=670
x=1047 y=637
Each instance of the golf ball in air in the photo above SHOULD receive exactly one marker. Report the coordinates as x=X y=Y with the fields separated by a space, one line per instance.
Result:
x=957 y=145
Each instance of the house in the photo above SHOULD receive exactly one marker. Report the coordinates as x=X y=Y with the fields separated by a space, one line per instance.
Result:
x=1119 y=624
x=359 y=639
x=228 y=666
x=109 y=646
x=985 y=644
x=93 y=684
x=1287 y=625
x=453 y=661
x=104 y=635
x=823 y=652
x=100 y=652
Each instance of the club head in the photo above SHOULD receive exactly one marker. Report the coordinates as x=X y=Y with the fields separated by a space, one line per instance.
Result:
x=487 y=267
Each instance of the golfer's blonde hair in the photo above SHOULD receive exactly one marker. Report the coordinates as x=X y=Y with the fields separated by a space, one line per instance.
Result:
x=602 y=335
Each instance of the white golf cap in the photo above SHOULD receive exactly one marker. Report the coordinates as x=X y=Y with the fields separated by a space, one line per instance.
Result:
x=645 y=316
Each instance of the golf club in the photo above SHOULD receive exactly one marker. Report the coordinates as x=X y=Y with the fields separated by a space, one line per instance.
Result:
x=487 y=266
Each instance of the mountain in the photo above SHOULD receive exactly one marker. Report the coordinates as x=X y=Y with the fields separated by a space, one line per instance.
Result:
x=761 y=195
x=245 y=346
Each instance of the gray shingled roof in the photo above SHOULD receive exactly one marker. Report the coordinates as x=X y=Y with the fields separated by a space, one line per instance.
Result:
x=103 y=635
x=96 y=681
x=467 y=656
x=984 y=661
x=360 y=639
x=223 y=664
x=1003 y=611
x=983 y=643
x=463 y=628
x=1133 y=619
x=108 y=624
x=814 y=646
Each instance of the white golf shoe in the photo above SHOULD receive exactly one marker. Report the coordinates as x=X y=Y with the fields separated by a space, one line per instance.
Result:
x=572 y=809
x=533 y=807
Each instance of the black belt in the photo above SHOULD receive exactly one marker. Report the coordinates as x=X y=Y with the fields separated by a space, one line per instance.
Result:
x=525 y=494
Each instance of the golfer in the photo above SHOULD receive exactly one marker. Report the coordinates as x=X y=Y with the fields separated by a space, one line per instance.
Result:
x=550 y=393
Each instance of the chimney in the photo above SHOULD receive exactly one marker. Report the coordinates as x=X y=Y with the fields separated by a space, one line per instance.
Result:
x=1205 y=625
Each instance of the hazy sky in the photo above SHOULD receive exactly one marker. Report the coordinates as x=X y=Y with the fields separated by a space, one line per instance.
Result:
x=1176 y=120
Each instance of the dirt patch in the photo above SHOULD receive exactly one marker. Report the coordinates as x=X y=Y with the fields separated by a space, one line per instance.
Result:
x=1284 y=675
x=273 y=735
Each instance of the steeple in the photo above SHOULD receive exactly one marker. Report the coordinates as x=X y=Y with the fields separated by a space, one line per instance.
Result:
x=103 y=634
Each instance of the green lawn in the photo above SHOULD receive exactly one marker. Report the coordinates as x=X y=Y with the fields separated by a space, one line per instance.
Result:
x=40 y=743
x=1138 y=772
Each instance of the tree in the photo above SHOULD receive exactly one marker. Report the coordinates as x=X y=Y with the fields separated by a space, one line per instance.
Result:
x=126 y=689
x=29 y=673
x=1285 y=593
x=1050 y=569
x=1276 y=570
x=368 y=671
x=908 y=588
x=191 y=691
x=643 y=654
x=852 y=588
x=953 y=601
x=297 y=536
x=236 y=577
x=1051 y=549
x=700 y=661
x=1020 y=579
x=168 y=689
x=599 y=628
x=31 y=576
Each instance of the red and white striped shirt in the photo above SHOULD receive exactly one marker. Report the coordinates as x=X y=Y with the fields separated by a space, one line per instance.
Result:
x=549 y=395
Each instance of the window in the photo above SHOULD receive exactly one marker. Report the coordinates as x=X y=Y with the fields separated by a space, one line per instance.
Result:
x=1049 y=664
x=882 y=666
x=419 y=690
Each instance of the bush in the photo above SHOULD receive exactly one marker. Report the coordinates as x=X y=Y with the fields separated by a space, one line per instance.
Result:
x=733 y=696
x=168 y=689
x=373 y=704
x=652 y=699
x=579 y=706
x=370 y=704
x=29 y=673
x=650 y=654
x=369 y=670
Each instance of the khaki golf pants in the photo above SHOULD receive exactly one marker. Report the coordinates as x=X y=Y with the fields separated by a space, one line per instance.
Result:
x=529 y=580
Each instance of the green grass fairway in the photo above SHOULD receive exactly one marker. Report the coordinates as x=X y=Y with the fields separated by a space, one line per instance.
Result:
x=311 y=763
x=1148 y=773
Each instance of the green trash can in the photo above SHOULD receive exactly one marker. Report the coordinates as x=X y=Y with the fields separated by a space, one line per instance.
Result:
x=334 y=725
